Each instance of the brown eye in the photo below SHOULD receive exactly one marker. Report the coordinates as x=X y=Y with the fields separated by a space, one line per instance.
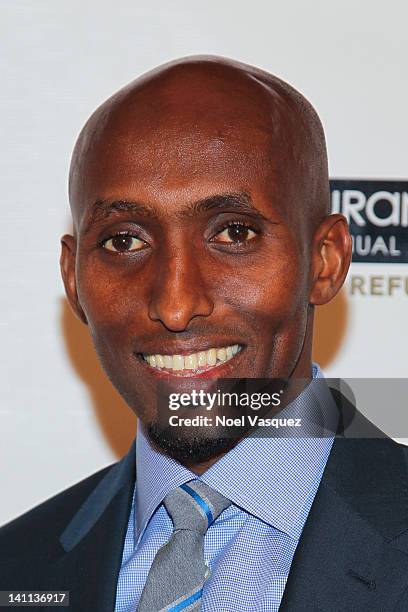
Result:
x=123 y=243
x=235 y=234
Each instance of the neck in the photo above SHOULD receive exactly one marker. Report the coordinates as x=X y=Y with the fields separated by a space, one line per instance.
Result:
x=200 y=468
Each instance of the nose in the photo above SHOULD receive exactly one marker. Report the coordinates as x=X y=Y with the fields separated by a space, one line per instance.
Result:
x=179 y=292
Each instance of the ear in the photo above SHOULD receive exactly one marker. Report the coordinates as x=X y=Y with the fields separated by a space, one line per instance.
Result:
x=67 y=264
x=331 y=258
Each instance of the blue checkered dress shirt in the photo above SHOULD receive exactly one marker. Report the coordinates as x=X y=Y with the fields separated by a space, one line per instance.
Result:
x=271 y=482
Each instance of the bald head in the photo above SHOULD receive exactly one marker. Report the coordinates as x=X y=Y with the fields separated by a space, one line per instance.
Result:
x=200 y=117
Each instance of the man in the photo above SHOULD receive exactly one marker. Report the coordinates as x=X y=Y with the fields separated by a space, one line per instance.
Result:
x=202 y=244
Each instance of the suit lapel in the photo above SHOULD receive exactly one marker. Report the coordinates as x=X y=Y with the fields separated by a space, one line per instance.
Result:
x=92 y=543
x=348 y=557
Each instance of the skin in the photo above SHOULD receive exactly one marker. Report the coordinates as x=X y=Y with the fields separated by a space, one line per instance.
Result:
x=172 y=159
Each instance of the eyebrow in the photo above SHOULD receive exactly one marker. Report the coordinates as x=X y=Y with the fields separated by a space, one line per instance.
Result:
x=233 y=202
x=236 y=202
x=102 y=210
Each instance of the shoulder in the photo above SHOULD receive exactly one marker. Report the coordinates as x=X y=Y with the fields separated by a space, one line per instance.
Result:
x=371 y=476
x=374 y=456
x=50 y=517
x=55 y=542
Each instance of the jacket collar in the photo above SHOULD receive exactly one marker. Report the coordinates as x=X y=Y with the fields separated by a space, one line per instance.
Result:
x=91 y=545
x=92 y=509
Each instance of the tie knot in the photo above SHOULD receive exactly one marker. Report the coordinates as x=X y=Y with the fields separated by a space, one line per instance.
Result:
x=194 y=506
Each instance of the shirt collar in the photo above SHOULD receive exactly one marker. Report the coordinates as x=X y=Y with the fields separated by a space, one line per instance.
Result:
x=274 y=487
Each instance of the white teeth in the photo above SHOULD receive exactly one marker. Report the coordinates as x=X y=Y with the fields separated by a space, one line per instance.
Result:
x=222 y=354
x=212 y=357
x=191 y=362
x=202 y=359
x=194 y=361
x=178 y=362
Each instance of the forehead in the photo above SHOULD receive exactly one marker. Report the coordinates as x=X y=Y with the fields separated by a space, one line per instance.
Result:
x=166 y=163
x=174 y=143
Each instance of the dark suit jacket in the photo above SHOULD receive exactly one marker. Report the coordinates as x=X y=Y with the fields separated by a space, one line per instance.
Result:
x=352 y=555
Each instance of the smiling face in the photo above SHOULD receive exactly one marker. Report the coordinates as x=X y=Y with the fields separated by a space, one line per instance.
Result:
x=196 y=251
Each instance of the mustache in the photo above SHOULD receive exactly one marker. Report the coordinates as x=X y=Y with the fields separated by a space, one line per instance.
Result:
x=194 y=332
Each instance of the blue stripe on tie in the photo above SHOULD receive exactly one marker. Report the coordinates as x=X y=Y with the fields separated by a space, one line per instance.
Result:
x=188 y=601
x=199 y=501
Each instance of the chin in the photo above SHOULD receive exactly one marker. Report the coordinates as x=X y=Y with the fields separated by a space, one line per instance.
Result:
x=193 y=445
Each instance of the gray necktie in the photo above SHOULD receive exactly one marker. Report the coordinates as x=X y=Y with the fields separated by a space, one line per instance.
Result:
x=176 y=578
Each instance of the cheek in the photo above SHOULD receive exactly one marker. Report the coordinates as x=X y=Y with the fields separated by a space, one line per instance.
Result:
x=113 y=301
x=269 y=291
x=113 y=305
x=271 y=299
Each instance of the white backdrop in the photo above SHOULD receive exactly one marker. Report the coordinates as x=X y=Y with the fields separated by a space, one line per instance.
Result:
x=59 y=60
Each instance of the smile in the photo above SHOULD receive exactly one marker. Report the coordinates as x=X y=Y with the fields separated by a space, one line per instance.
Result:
x=202 y=360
